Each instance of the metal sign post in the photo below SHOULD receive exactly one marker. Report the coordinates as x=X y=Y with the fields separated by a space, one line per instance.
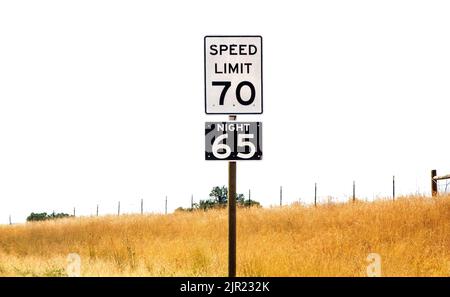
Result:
x=233 y=85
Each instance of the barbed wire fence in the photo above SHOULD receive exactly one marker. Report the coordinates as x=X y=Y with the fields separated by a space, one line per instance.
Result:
x=440 y=185
x=443 y=186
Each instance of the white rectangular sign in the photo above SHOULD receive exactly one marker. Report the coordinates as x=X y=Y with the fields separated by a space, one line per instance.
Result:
x=233 y=75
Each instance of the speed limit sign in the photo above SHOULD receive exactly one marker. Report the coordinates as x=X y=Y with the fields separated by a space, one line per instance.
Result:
x=233 y=141
x=233 y=75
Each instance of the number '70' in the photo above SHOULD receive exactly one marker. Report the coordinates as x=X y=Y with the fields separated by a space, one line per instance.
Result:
x=227 y=84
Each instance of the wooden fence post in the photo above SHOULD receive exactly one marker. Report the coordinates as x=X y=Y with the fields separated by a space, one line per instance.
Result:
x=434 y=188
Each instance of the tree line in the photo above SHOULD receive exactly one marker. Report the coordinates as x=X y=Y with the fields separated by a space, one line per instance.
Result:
x=218 y=198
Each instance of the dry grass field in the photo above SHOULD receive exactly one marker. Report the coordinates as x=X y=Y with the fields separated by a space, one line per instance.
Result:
x=412 y=236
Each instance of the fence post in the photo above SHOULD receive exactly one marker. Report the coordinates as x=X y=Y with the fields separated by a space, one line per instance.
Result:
x=434 y=188
x=354 y=192
x=315 y=194
x=249 y=199
x=10 y=222
x=97 y=210
x=142 y=206
x=118 y=209
x=393 y=187
x=281 y=195
x=74 y=211
x=192 y=201
x=166 y=205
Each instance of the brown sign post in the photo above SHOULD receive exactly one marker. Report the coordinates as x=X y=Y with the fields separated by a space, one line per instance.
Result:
x=233 y=85
x=232 y=214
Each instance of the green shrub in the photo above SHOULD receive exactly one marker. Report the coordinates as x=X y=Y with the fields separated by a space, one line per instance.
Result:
x=43 y=216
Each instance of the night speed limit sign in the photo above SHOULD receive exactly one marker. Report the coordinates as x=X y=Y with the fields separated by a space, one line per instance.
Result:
x=233 y=75
x=233 y=141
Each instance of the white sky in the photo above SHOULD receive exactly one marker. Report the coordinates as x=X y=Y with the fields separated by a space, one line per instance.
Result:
x=102 y=101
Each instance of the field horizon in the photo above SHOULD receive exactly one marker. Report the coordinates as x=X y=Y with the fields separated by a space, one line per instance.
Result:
x=411 y=235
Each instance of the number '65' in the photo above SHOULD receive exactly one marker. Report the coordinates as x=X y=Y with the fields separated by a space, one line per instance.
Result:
x=241 y=142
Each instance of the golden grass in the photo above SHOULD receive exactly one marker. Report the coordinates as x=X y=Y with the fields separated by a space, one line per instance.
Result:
x=412 y=235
